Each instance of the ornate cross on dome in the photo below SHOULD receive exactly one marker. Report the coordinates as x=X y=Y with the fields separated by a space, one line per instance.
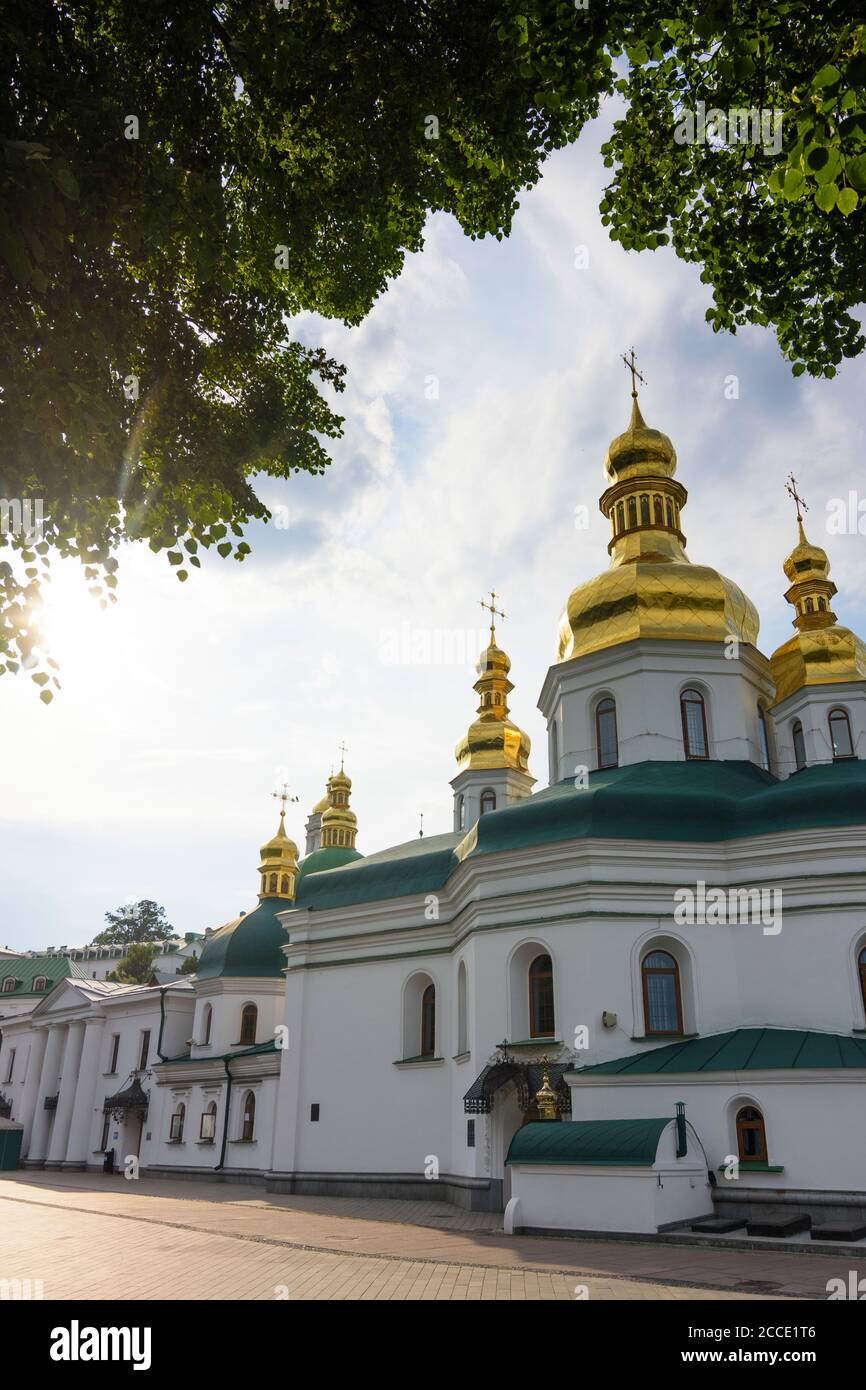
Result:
x=791 y=489
x=283 y=796
x=635 y=374
x=343 y=751
x=493 y=611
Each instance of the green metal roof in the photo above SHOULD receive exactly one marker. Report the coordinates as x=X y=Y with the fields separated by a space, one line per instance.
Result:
x=255 y=1051
x=691 y=801
x=249 y=946
x=334 y=857
x=26 y=969
x=743 y=1049
x=620 y=1143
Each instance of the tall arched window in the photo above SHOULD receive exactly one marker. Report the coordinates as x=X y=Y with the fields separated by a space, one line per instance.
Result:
x=799 y=746
x=694 y=717
x=248 y=1128
x=607 y=747
x=644 y=511
x=763 y=740
x=428 y=1022
x=488 y=801
x=751 y=1135
x=662 y=1000
x=177 y=1119
x=657 y=511
x=669 y=513
x=272 y=886
x=206 y=1022
x=462 y=1019
x=542 y=1023
x=554 y=754
x=207 y=1131
x=249 y=1019
x=840 y=734
x=632 y=511
x=861 y=966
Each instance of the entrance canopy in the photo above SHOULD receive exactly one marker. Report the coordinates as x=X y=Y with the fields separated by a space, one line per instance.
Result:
x=528 y=1077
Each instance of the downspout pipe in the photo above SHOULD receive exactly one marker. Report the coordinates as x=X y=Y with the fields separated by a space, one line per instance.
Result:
x=229 y=1079
x=159 y=1052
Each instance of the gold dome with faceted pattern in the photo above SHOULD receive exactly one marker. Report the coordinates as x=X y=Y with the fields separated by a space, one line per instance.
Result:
x=651 y=588
x=821 y=652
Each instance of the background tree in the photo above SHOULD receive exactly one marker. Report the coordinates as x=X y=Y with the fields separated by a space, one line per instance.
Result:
x=135 y=922
x=136 y=967
x=177 y=179
x=190 y=966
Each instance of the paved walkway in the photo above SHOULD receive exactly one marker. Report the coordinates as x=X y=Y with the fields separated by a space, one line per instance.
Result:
x=87 y=1236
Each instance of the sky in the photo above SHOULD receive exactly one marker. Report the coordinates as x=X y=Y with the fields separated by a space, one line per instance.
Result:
x=483 y=390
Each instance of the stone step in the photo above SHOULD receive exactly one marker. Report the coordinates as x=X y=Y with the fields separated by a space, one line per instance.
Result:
x=839 y=1230
x=778 y=1224
x=718 y=1225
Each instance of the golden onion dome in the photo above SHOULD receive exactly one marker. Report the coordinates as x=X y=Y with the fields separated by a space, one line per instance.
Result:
x=280 y=844
x=821 y=652
x=493 y=740
x=651 y=588
x=321 y=805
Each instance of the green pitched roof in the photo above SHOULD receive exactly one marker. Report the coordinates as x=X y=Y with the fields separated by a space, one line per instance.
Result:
x=249 y=946
x=26 y=969
x=690 y=801
x=742 y=1049
x=623 y=1143
x=255 y=1051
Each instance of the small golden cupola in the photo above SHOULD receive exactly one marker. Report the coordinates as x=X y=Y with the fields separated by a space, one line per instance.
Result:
x=339 y=823
x=651 y=588
x=821 y=652
x=493 y=754
x=278 y=868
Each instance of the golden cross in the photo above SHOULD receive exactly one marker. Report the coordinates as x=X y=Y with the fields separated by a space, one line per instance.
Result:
x=343 y=751
x=630 y=363
x=791 y=489
x=493 y=610
x=283 y=796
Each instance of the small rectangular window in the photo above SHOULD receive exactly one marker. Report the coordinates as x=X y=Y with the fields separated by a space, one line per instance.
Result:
x=470 y=1134
x=314 y=1111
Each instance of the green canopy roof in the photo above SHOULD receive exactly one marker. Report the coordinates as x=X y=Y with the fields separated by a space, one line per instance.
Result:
x=743 y=1049
x=613 y=1143
x=249 y=946
x=692 y=801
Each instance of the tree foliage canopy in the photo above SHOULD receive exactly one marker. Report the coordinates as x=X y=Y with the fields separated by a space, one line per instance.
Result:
x=136 y=967
x=179 y=179
x=135 y=922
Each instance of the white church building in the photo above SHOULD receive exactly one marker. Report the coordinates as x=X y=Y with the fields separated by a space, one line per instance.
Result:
x=633 y=1000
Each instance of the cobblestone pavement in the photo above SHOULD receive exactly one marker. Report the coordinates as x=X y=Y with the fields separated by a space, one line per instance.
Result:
x=88 y=1236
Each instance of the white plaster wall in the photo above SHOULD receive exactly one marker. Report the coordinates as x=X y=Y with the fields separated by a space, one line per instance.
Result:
x=812 y=706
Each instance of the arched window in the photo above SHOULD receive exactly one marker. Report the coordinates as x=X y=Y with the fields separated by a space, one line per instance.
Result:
x=799 y=746
x=9 y=984
x=763 y=740
x=488 y=800
x=861 y=967
x=644 y=511
x=669 y=513
x=607 y=747
x=542 y=1023
x=620 y=516
x=694 y=717
x=273 y=884
x=428 y=1022
x=249 y=1019
x=206 y=1022
x=461 y=812
x=840 y=734
x=810 y=606
x=751 y=1135
x=822 y=606
x=632 y=512
x=554 y=754
x=249 y=1118
x=657 y=511
x=207 y=1131
x=39 y=984
x=462 y=1020
x=284 y=883
x=177 y=1119
x=662 y=1000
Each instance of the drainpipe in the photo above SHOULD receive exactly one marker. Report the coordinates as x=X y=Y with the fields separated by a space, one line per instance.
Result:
x=682 y=1141
x=159 y=1052
x=226 y=1116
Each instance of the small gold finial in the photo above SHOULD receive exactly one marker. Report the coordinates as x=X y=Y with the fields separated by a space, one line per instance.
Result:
x=494 y=613
x=343 y=751
x=791 y=489
x=635 y=374
x=545 y=1099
